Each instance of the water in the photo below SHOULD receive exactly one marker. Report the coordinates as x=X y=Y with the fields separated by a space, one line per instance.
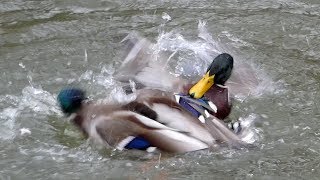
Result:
x=45 y=45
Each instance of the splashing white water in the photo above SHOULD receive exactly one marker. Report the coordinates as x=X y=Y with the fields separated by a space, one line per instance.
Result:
x=166 y=16
x=7 y=120
x=191 y=58
x=25 y=131
x=37 y=100
x=248 y=133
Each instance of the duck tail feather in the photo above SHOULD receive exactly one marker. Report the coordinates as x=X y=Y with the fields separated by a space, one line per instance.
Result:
x=223 y=134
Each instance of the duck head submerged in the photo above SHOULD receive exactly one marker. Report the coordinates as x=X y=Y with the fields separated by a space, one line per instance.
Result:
x=70 y=100
x=218 y=72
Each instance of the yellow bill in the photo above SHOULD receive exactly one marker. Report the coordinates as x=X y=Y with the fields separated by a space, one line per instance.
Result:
x=199 y=89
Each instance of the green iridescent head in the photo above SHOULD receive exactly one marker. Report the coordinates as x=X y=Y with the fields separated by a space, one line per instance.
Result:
x=218 y=72
x=70 y=100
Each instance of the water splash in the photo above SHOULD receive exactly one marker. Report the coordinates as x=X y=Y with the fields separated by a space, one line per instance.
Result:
x=7 y=120
x=32 y=99
x=39 y=101
x=25 y=131
x=190 y=59
x=250 y=133
x=166 y=16
x=103 y=78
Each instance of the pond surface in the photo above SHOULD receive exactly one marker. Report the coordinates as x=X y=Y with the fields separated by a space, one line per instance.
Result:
x=46 y=45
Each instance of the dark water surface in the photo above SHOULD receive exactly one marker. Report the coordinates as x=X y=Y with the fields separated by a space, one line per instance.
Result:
x=45 y=45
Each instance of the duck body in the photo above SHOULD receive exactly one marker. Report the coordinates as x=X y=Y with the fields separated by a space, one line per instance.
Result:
x=219 y=96
x=148 y=122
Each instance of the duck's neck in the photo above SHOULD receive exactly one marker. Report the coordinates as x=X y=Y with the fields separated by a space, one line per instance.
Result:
x=78 y=117
x=78 y=120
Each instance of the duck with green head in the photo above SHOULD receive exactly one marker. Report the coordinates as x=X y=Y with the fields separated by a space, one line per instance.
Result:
x=151 y=72
x=209 y=96
x=151 y=121
x=211 y=89
x=209 y=93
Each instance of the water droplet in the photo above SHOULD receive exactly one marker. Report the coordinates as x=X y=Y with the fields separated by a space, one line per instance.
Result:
x=21 y=65
x=85 y=56
x=264 y=116
x=25 y=131
x=128 y=164
x=166 y=16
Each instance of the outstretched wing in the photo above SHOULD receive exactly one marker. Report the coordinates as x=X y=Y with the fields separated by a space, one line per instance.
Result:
x=143 y=67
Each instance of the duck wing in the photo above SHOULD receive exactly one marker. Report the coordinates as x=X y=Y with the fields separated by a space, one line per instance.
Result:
x=172 y=115
x=120 y=126
x=141 y=66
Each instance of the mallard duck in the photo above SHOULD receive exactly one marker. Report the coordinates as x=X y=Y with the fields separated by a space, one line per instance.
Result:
x=209 y=90
x=151 y=121
x=212 y=89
